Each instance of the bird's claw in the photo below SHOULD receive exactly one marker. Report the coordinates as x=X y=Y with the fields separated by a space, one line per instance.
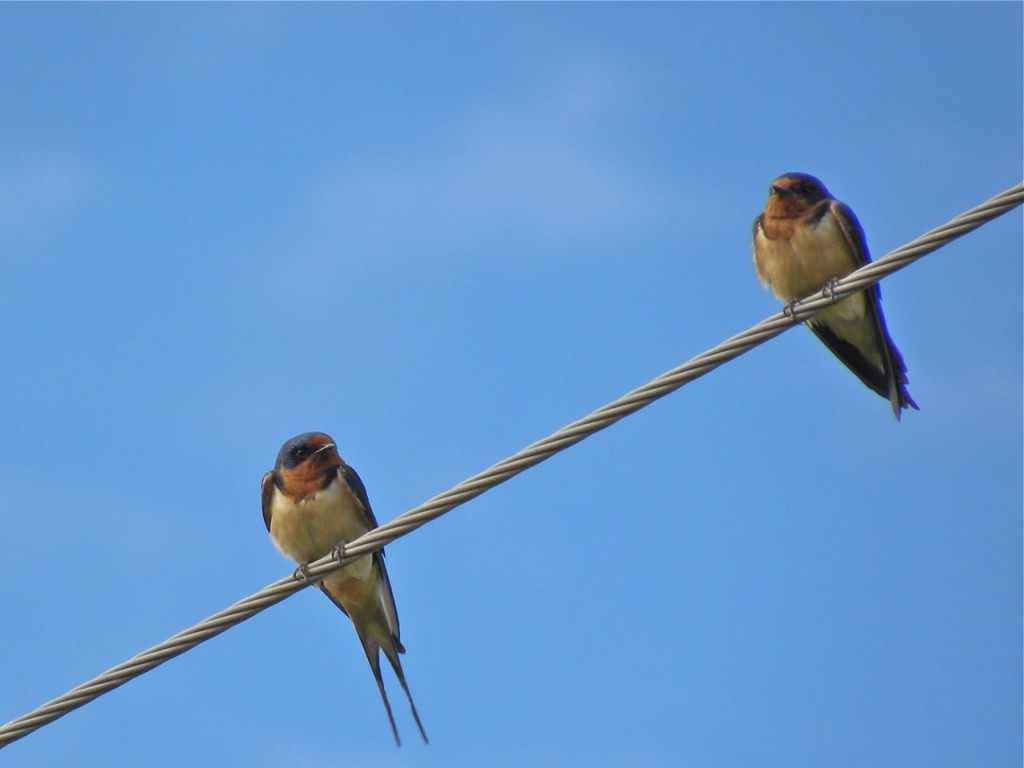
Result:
x=302 y=573
x=829 y=289
x=338 y=550
x=790 y=309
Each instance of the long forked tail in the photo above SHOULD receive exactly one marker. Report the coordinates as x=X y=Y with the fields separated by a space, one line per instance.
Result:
x=375 y=666
x=396 y=664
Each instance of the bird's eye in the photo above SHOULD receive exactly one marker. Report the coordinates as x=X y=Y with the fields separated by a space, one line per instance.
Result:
x=301 y=452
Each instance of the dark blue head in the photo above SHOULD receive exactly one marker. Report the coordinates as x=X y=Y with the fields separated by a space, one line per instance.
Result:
x=801 y=185
x=300 y=448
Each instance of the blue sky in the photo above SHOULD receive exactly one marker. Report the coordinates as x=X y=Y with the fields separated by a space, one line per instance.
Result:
x=439 y=232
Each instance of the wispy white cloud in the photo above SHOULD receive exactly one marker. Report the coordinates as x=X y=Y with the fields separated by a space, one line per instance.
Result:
x=546 y=175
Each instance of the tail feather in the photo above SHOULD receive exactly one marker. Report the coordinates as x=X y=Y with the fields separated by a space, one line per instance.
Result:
x=396 y=664
x=375 y=666
x=890 y=383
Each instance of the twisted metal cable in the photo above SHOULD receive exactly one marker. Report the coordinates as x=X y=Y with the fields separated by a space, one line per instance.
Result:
x=533 y=454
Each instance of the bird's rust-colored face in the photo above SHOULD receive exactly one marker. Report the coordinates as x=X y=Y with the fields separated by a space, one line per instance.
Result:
x=793 y=194
x=306 y=464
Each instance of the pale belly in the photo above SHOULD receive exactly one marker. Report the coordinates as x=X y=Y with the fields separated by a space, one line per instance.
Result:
x=309 y=529
x=804 y=263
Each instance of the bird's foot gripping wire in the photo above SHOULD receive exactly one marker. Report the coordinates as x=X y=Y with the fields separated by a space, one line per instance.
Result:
x=338 y=550
x=302 y=573
x=790 y=309
x=829 y=289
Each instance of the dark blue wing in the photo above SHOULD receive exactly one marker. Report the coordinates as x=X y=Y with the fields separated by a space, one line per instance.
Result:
x=351 y=477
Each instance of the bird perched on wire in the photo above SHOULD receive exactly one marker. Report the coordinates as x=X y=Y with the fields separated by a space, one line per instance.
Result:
x=804 y=240
x=314 y=503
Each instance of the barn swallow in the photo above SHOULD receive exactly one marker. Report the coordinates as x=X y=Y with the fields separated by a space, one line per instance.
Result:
x=312 y=503
x=804 y=240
